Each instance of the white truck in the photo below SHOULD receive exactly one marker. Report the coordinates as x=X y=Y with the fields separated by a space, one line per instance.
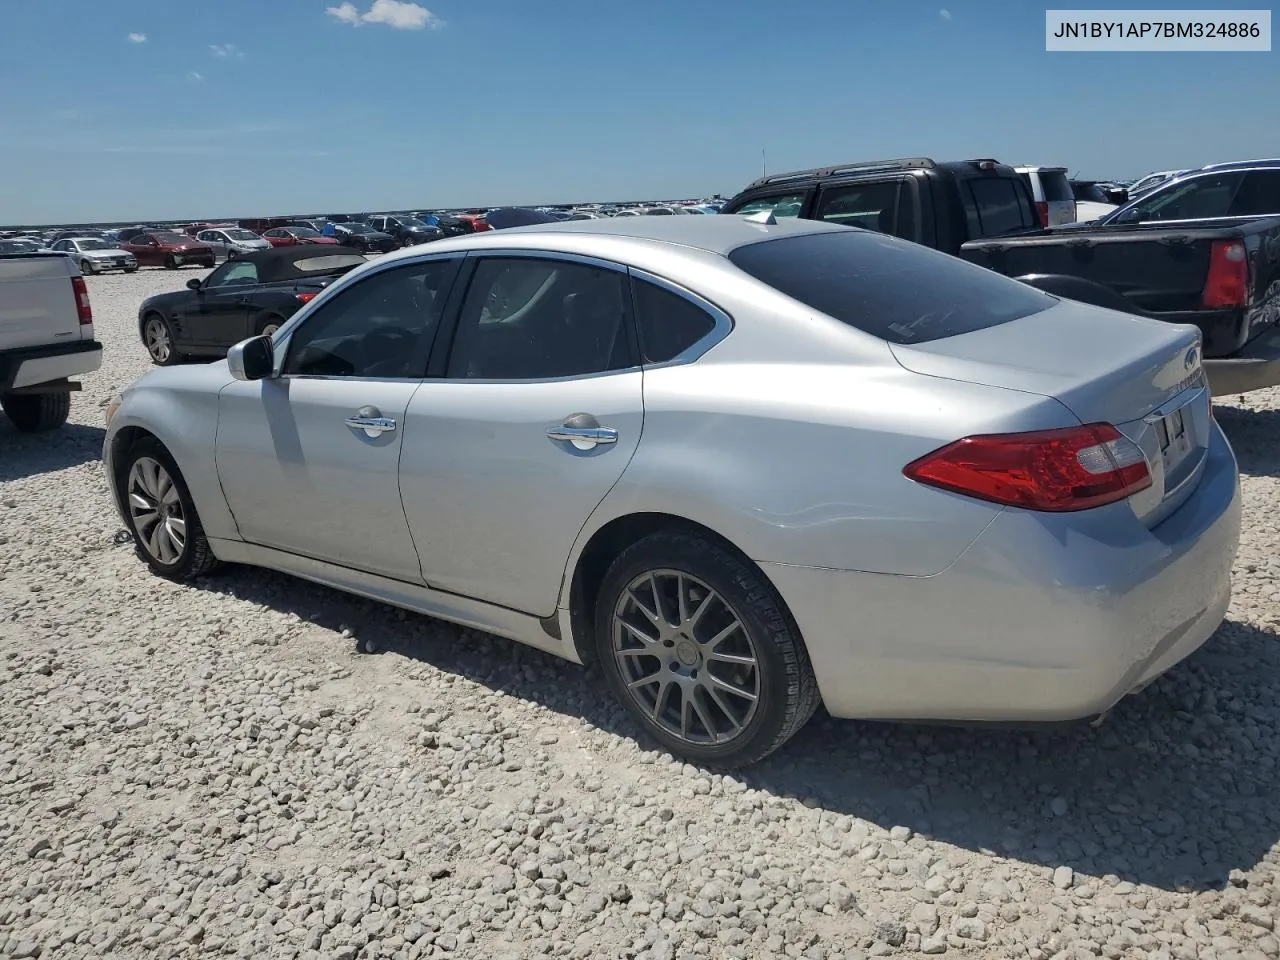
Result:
x=46 y=338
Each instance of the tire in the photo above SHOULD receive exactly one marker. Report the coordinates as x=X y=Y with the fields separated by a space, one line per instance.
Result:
x=162 y=517
x=157 y=337
x=130 y=269
x=268 y=325
x=769 y=661
x=170 y=263
x=86 y=268
x=33 y=412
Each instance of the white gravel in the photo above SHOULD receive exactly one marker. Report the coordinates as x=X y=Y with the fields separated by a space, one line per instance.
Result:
x=194 y=771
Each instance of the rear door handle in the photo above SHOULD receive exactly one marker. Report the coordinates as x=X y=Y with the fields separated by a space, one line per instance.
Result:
x=371 y=421
x=583 y=431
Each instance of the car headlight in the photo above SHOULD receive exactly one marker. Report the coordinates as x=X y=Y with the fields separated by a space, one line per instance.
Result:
x=113 y=406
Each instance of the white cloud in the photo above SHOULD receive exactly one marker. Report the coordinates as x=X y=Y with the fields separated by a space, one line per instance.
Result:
x=944 y=13
x=226 y=50
x=195 y=76
x=396 y=14
x=137 y=38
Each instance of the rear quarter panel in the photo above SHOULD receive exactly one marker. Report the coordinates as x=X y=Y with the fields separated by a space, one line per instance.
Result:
x=802 y=463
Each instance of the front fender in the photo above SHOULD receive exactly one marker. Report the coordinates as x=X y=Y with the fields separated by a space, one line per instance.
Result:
x=186 y=422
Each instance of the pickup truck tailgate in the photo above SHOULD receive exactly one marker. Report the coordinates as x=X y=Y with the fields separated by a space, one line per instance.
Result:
x=1157 y=268
x=37 y=302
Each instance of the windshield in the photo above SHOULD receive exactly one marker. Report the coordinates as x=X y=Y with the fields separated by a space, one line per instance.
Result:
x=241 y=234
x=411 y=222
x=171 y=238
x=355 y=228
x=893 y=289
x=304 y=232
x=94 y=245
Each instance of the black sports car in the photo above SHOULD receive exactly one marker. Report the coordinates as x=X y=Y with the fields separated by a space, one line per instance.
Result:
x=364 y=237
x=247 y=296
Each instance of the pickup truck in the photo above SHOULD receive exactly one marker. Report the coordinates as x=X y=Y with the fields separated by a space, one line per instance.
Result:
x=1221 y=275
x=46 y=337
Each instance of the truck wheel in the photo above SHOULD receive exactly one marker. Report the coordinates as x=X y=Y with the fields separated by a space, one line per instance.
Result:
x=31 y=412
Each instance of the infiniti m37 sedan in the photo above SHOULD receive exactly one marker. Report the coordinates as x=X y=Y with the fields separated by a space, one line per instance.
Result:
x=748 y=466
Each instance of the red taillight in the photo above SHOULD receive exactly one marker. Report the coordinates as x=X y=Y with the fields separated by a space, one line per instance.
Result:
x=1228 y=282
x=83 y=310
x=1043 y=210
x=308 y=296
x=1075 y=468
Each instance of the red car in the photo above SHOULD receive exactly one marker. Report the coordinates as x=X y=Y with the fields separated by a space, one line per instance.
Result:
x=476 y=218
x=165 y=249
x=292 y=236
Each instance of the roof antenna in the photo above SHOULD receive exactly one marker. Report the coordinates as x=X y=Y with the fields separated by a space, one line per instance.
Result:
x=764 y=163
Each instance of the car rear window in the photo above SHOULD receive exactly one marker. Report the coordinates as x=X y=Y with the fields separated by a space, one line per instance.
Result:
x=893 y=289
x=1055 y=185
x=996 y=206
x=333 y=261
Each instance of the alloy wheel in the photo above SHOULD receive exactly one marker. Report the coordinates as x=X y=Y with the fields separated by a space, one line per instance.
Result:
x=270 y=329
x=159 y=343
x=685 y=657
x=155 y=510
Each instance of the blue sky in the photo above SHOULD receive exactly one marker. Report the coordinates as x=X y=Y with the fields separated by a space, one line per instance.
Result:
x=162 y=109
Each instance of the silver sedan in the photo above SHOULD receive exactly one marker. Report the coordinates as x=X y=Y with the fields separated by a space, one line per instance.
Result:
x=227 y=241
x=748 y=466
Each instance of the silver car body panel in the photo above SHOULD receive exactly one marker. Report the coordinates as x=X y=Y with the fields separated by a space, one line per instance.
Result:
x=785 y=433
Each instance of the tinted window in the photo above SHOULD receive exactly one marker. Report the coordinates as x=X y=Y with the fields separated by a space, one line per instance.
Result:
x=893 y=289
x=996 y=206
x=529 y=319
x=380 y=327
x=233 y=271
x=1259 y=195
x=329 y=261
x=1090 y=192
x=782 y=205
x=1055 y=186
x=669 y=324
x=1196 y=199
x=872 y=206
x=302 y=232
x=171 y=238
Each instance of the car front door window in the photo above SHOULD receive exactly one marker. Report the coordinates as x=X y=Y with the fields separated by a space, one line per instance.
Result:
x=1200 y=198
x=233 y=272
x=781 y=205
x=378 y=328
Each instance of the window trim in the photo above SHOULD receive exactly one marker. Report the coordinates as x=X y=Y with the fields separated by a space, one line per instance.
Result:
x=438 y=365
x=723 y=321
x=286 y=333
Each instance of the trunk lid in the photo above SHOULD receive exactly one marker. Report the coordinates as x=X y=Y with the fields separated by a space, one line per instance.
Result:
x=37 y=301
x=1143 y=376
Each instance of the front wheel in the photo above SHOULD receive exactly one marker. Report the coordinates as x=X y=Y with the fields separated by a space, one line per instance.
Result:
x=162 y=517
x=157 y=337
x=700 y=649
x=33 y=412
x=86 y=267
x=170 y=263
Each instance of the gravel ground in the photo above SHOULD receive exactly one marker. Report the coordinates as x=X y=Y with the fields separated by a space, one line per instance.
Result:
x=192 y=771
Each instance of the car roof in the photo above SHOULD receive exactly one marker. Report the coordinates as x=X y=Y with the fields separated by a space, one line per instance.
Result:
x=718 y=234
x=279 y=263
x=1241 y=165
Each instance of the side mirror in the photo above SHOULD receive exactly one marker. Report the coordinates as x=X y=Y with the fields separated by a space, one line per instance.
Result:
x=193 y=283
x=251 y=359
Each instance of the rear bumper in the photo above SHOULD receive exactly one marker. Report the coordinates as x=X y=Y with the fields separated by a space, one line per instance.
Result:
x=56 y=361
x=1255 y=367
x=1044 y=618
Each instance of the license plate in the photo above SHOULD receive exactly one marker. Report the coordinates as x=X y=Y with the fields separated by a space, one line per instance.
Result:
x=1175 y=443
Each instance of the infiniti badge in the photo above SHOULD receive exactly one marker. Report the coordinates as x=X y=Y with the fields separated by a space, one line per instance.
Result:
x=1192 y=359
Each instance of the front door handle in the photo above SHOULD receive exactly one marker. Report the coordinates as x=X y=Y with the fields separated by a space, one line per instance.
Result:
x=583 y=431
x=371 y=421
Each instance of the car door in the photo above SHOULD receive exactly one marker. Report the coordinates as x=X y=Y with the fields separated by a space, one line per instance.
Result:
x=147 y=250
x=308 y=458
x=535 y=415
x=217 y=314
x=215 y=240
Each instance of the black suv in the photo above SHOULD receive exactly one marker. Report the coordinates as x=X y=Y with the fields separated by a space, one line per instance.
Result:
x=938 y=204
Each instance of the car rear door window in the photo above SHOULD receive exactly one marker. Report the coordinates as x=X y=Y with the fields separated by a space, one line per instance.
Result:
x=893 y=289
x=886 y=207
x=530 y=318
x=380 y=327
x=669 y=324
x=1056 y=187
x=996 y=206
x=1258 y=196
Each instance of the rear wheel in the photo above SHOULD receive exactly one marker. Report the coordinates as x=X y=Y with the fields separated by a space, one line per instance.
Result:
x=33 y=412
x=699 y=648
x=157 y=336
x=162 y=517
x=267 y=326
